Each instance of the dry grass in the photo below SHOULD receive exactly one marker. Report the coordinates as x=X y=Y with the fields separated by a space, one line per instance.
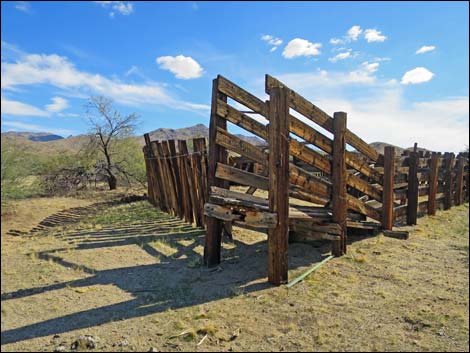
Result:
x=384 y=295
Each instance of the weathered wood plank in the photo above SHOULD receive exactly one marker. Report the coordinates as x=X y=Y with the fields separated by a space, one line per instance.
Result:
x=412 y=195
x=278 y=141
x=433 y=182
x=216 y=154
x=318 y=116
x=459 y=180
x=339 y=182
x=387 y=204
x=449 y=165
x=242 y=96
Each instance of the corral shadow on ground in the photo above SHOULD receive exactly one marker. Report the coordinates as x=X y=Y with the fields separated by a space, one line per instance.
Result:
x=173 y=281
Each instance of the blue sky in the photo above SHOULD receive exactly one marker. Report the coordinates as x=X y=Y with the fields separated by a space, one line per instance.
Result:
x=400 y=70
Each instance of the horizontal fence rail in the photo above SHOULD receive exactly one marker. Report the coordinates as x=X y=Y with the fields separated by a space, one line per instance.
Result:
x=302 y=154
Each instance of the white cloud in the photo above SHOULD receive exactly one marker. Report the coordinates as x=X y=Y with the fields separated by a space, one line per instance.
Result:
x=122 y=7
x=336 y=41
x=425 y=49
x=373 y=35
x=58 y=105
x=417 y=75
x=354 y=32
x=36 y=128
x=184 y=67
x=23 y=6
x=351 y=35
x=378 y=111
x=12 y=107
x=58 y=71
x=301 y=47
x=340 y=56
x=271 y=40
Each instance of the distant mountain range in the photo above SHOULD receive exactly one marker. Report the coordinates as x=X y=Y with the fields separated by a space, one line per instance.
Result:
x=47 y=142
x=33 y=136
x=199 y=130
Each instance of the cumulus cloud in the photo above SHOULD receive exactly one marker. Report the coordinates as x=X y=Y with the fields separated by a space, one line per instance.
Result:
x=425 y=49
x=417 y=75
x=341 y=56
x=373 y=35
x=301 y=47
x=122 y=7
x=272 y=41
x=58 y=71
x=354 y=32
x=184 y=67
x=58 y=104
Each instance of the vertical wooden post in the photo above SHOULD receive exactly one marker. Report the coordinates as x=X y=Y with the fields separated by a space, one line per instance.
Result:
x=278 y=141
x=412 y=194
x=176 y=178
x=190 y=180
x=160 y=177
x=459 y=181
x=338 y=178
x=433 y=181
x=449 y=163
x=388 y=184
x=216 y=154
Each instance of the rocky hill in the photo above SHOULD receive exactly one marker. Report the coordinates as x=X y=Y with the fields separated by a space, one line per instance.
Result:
x=33 y=136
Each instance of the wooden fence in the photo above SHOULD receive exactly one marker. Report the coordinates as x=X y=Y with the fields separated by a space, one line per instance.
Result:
x=427 y=181
x=177 y=178
x=303 y=157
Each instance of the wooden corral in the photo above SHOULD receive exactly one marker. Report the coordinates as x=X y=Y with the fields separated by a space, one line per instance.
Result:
x=304 y=156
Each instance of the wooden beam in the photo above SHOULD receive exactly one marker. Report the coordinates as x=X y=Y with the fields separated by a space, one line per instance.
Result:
x=459 y=181
x=412 y=194
x=387 y=195
x=448 y=180
x=318 y=116
x=216 y=154
x=339 y=181
x=278 y=141
x=433 y=182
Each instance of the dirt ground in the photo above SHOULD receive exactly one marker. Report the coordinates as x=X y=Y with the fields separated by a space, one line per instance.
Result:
x=131 y=277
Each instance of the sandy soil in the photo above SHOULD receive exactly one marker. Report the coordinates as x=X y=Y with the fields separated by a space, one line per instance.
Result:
x=132 y=278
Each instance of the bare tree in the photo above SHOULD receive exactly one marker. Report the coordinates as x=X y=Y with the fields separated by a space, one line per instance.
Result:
x=108 y=127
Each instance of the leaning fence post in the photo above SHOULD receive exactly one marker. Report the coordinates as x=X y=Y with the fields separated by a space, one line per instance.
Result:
x=433 y=182
x=412 y=194
x=388 y=184
x=338 y=177
x=216 y=154
x=278 y=141
x=449 y=161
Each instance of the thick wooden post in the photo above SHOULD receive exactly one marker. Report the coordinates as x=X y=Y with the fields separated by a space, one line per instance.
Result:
x=216 y=154
x=412 y=194
x=449 y=164
x=459 y=181
x=339 y=180
x=278 y=141
x=388 y=184
x=433 y=182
